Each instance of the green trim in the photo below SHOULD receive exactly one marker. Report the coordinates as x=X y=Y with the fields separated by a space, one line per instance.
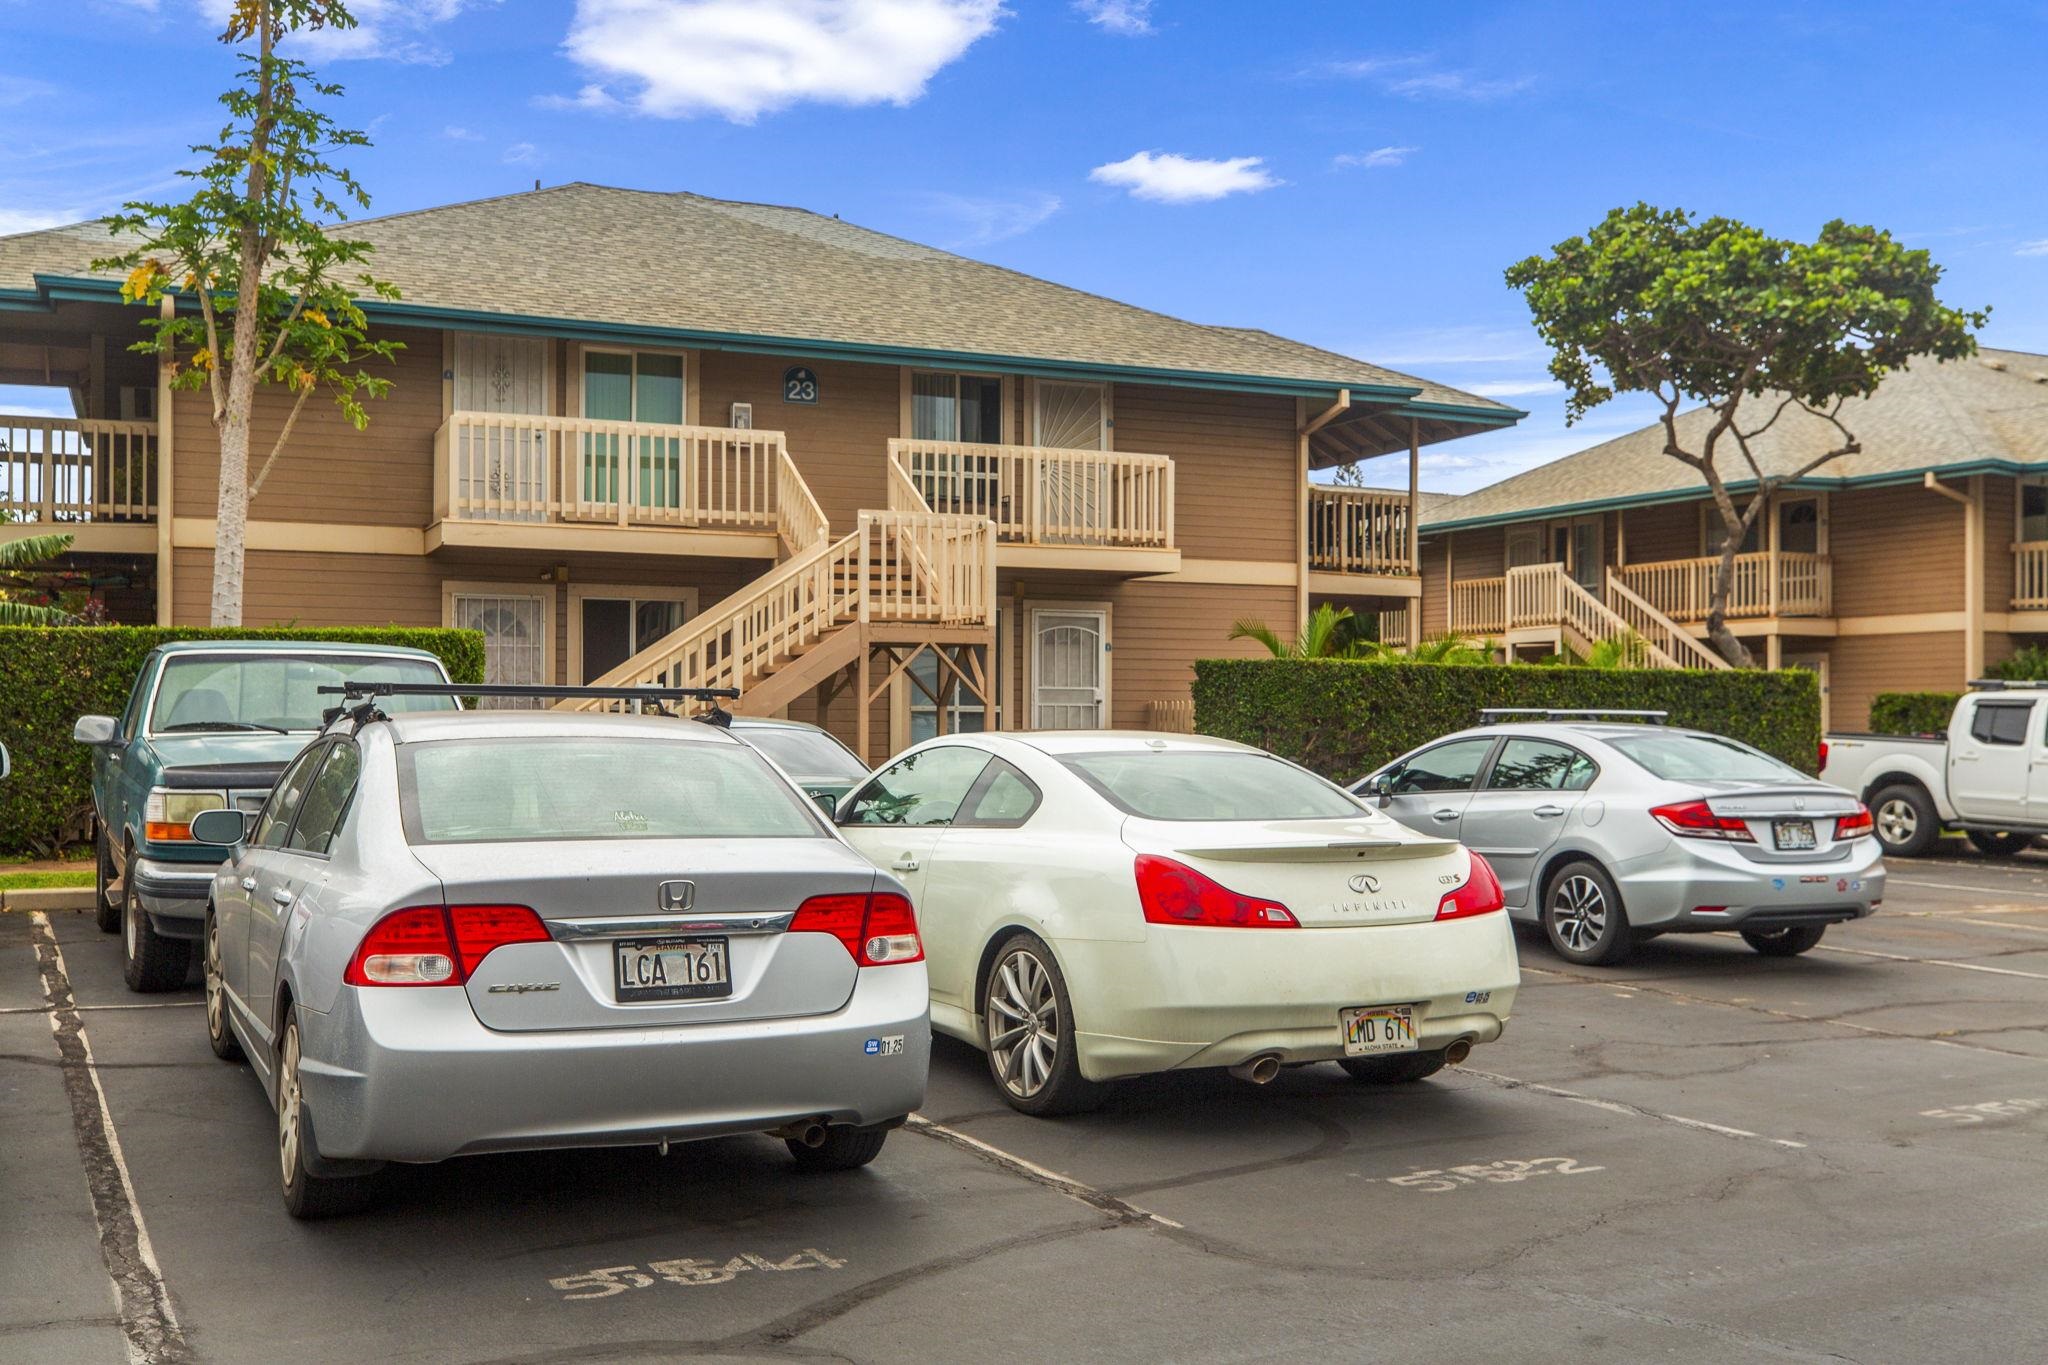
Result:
x=1457 y=412
x=1811 y=483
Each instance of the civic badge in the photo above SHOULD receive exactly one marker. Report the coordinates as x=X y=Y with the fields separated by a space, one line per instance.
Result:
x=676 y=897
x=1365 y=883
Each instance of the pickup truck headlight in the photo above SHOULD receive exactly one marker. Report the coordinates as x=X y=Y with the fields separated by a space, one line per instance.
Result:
x=167 y=818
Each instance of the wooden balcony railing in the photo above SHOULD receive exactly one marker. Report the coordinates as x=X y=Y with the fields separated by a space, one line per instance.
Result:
x=1683 y=588
x=1040 y=495
x=2030 y=574
x=507 y=467
x=1479 y=606
x=67 y=470
x=1357 y=530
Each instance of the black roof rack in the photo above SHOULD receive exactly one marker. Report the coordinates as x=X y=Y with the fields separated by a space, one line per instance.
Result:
x=2006 y=684
x=365 y=695
x=1491 y=714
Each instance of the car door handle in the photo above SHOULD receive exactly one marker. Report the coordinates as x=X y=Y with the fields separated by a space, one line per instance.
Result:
x=904 y=863
x=1548 y=812
x=1443 y=815
x=248 y=883
x=281 y=897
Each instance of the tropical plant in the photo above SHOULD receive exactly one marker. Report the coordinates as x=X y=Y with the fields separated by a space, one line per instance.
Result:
x=2027 y=663
x=21 y=556
x=1329 y=633
x=264 y=294
x=1713 y=311
x=1450 y=649
x=1628 y=650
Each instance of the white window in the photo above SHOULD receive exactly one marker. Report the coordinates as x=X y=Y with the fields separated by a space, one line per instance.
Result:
x=516 y=630
x=1069 y=668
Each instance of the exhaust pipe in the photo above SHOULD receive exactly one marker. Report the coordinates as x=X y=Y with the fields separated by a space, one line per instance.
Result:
x=810 y=1132
x=1458 y=1051
x=1258 y=1070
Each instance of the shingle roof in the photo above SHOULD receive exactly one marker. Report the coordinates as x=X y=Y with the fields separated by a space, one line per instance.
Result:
x=676 y=261
x=1931 y=415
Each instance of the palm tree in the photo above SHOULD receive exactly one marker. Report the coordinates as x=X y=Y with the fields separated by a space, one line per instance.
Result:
x=19 y=556
x=1329 y=633
x=1451 y=649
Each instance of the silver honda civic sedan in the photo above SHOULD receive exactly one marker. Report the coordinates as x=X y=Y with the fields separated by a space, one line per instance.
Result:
x=450 y=933
x=1610 y=833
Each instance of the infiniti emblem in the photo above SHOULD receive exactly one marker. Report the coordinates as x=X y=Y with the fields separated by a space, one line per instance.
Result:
x=1365 y=882
x=676 y=897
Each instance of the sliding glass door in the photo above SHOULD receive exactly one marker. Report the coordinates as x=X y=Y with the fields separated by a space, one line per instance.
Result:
x=633 y=386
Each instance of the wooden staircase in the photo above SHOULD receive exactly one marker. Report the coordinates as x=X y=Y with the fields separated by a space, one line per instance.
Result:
x=1543 y=598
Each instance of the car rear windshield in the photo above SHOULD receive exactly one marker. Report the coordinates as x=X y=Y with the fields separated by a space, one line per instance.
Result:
x=276 y=692
x=1197 y=784
x=1703 y=758
x=805 y=753
x=583 y=787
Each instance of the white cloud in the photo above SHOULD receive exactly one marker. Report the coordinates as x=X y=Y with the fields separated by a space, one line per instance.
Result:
x=1170 y=178
x=2039 y=248
x=1416 y=76
x=995 y=219
x=1132 y=18
x=16 y=90
x=521 y=154
x=1377 y=157
x=35 y=220
x=740 y=59
x=1514 y=388
x=386 y=30
x=456 y=134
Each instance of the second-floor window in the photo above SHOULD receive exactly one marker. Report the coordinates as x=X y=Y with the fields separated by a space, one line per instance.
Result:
x=956 y=407
x=633 y=386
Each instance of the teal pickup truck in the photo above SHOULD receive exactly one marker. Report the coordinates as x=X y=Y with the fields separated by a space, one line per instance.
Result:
x=209 y=724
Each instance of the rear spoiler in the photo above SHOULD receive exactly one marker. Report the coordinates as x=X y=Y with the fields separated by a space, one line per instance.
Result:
x=1330 y=851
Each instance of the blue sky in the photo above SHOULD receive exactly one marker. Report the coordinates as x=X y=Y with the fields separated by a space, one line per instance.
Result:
x=1355 y=175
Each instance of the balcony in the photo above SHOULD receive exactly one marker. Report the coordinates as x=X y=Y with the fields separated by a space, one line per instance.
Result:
x=1683 y=588
x=91 y=479
x=1052 y=508
x=511 y=480
x=2030 y=575
x=1356 y=535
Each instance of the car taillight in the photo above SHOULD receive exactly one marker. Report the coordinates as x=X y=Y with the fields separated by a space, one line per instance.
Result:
x=1692 y=820
x=1854 y=826
x=1823 y=755
x=438 y=945
x=878 y=929
x=1480 y=895
x=1174 y=893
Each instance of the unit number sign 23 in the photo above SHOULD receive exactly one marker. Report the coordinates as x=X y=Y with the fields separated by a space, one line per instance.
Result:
x=799 y=385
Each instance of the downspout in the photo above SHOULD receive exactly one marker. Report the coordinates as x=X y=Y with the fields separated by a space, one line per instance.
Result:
x=1973 y=567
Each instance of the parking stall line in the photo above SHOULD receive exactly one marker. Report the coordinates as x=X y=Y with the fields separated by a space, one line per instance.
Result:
x=1896 y=880
x=147 y=1319
x=1629 y=1110
x=1037 y=1174
x=1932 y=962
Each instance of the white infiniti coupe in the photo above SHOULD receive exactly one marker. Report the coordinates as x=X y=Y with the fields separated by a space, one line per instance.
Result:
x=1096 y=905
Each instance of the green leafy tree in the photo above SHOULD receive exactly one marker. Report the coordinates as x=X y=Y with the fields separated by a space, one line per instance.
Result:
x=1715 y=312
x=265 y=294
x=18 y=557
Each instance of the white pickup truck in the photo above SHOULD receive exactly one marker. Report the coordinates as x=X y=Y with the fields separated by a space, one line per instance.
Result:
x=1988 y=777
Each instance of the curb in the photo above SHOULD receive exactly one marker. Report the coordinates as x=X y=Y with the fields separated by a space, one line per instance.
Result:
x=48 y=898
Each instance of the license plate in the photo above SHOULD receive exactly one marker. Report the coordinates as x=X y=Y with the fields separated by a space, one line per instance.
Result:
x=672 y=969
x=1378 y=1028
x=1792 y=834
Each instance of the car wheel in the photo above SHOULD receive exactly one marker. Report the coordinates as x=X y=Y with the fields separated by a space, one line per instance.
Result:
x=2000 y=843
x=149 y=961
x=106 y=911
x=1028 y=1020
x=845 y=1148
x=1398 y=1069
x=1907 y=823
x=1790 y=941
x=220 y=1034
x=307 y=1195
x=1583 y=916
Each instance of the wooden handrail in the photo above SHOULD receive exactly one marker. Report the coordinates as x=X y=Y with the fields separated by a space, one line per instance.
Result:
x=1358 y=530
x=2030 y=574
x=1479 y=606
x=1659 y=629
x=1045 y=495
x=66 y=470
x=1683 y=589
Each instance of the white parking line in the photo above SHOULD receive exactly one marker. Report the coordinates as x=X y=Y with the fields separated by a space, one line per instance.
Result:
x=1037 y=1174
x=1896 y=880
x=1932 y=962
x=1628 y=1110
x=147 y=1319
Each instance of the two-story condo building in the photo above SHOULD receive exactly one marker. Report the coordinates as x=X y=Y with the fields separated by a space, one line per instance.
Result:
x=645 y=436
x=1907 y=566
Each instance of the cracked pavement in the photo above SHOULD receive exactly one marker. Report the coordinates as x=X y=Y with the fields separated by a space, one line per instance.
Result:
x=1704 y=1155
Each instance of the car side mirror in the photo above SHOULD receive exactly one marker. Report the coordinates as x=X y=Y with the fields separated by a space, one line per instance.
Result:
x=220 y=826
x=97 y=730
x=1380 y=787
x=828 y=803
x=6 y=763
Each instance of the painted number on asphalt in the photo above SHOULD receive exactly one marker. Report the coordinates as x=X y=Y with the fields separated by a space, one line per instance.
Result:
x=1492 y=1173
x=689 y=1270
x=1988 y=1110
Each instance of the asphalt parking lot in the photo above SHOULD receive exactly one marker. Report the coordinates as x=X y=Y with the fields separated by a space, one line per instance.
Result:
x=1704 y=1155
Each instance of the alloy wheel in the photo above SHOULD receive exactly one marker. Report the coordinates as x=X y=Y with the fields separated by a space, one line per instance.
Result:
x=1023 y=1023
x=131 y=929
x=216 y=996
x=1579 y=910
x=1897 y=821
x=288 y=1107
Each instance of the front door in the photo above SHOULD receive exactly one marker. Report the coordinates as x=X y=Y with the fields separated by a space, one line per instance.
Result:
x=1073 y=497
x=1990 y=763
x=1585 y=560
x=514 y=627
x=897 y=819
x=611 y=630
x=1515 y=816
x=1069 y=669
x=501 y=471
x=1429 y=791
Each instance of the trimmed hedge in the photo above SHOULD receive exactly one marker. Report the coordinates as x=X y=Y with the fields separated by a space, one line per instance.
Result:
x=1912 y=713
x=49 y=677
x=1344 y=718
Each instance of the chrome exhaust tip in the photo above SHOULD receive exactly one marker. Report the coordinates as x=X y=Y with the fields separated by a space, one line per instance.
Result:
x=1258 y=1070
x=1458 y=1051
x=809 y=1132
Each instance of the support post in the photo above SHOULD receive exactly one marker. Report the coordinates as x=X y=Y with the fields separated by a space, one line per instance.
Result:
x=862 y=706
x=1415 y=527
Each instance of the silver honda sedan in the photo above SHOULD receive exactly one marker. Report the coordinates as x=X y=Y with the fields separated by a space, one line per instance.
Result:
x=449 y=933
x=1607 y=834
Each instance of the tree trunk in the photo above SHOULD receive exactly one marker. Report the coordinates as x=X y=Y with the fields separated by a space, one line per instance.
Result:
x=232 y=522
x=1722 y=638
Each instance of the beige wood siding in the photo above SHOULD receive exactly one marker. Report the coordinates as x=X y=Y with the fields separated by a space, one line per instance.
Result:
x=1861 y=666
x=2000 y=531
x=1480 y=553
x=1666 y=531
x=1235 y=478
x=840 y=443
x=1436 y=583
x=330 y=472
x=1896 y=551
